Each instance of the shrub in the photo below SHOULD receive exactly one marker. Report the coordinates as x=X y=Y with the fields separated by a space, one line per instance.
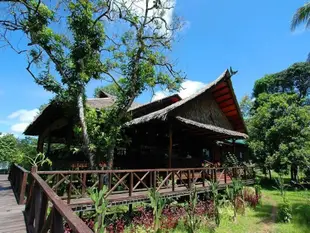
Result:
x=251 y=197
x=285 y=212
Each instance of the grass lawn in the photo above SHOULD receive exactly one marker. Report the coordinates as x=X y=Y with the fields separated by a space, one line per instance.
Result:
x=264 y=217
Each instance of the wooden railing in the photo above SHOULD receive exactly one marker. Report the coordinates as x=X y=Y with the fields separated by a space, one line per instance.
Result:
x=46 y=212
x=74 y=184
x=18 y=178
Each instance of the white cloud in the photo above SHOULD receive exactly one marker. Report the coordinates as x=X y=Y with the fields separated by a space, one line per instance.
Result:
x=19 y=128
x=188 y=88
x=24 y=115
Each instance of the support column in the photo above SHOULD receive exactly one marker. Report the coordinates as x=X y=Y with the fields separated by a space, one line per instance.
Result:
x=170 y=146
x=234 y=146
x=48 y=145
x=40 y=144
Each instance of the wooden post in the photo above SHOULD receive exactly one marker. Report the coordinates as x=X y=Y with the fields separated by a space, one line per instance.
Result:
x=172 y=180
x=131 y=185
x=203 y=176
x=215 y=174
x=40 y=144
x=48 y=144
x=234 y=147
x=84 y=184
x=170 y=147
x=57 y=223
x=23 y=184
x=42 y=202
x=69 y=190
x=154 y=180
x=225 y=176
x=189 y=178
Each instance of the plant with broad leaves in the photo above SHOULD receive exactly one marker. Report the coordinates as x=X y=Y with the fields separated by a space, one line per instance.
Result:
x=234 y=195
x=158 y=204
x=39 y=160
x=101 y=206
x=216 y=201
x=193 y=221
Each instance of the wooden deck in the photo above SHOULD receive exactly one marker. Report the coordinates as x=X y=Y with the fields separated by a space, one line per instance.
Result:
x=11 y=214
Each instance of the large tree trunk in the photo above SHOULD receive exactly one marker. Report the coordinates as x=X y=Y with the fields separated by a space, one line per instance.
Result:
x=85 y=136
x=110 y=156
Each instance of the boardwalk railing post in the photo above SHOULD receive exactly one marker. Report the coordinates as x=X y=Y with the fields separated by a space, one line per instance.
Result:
x=23 y=185
x=57 y=223
x=172 y=180
x=131 y=184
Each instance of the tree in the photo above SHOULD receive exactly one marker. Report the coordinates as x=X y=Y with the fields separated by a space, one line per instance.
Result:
x=246 y=105
x=280 y=133
x=294 y=79
x=133 y=60
x=111 y=89
x=302 y=15
x=9 y=150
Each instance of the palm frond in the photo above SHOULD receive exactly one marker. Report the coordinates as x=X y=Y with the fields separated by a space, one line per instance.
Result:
x=302 y=15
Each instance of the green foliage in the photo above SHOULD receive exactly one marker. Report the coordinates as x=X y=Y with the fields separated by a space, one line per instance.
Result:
x=157 y=204
x=9 y=149
x=285 y=212
x=111 y=89
x=279 y=132
x=39 y=160
x=230 y=160
x=293 y=80
x=281 y=187
x=216 y=201
x=193 y=222
x=133 y=60
x=246 y=105
x=101 y=206
x=15 y=150
x=234 y=195
x=301 y=16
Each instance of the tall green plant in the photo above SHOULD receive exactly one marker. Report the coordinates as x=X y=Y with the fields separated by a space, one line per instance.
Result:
x=234 y=195
x=216 y=201
x=281 y=187
x=101 y=206
x=157 y=204
x=193 y=221
x=39 y=160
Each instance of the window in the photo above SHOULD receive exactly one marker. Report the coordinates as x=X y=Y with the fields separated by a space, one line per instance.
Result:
x=206 y=154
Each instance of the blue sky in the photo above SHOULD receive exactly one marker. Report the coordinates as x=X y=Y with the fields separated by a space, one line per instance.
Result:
x=253 y=37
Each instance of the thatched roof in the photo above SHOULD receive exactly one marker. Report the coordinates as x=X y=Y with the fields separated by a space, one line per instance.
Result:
x=215 y=129
x=163 y=113
x=141 y=110
x=55 y=111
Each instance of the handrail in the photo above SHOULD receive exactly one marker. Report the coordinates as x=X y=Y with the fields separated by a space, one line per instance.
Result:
x=129 y=183
x=134 y=170
x=36 y=210
x=18 y=177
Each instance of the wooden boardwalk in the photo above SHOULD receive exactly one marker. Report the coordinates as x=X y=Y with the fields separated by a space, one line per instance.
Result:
x=11 y=214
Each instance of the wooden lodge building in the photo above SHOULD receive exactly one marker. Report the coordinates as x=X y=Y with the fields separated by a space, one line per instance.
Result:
x=167 y=133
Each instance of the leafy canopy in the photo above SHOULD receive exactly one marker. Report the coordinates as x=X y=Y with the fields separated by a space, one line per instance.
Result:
x=279 y=131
